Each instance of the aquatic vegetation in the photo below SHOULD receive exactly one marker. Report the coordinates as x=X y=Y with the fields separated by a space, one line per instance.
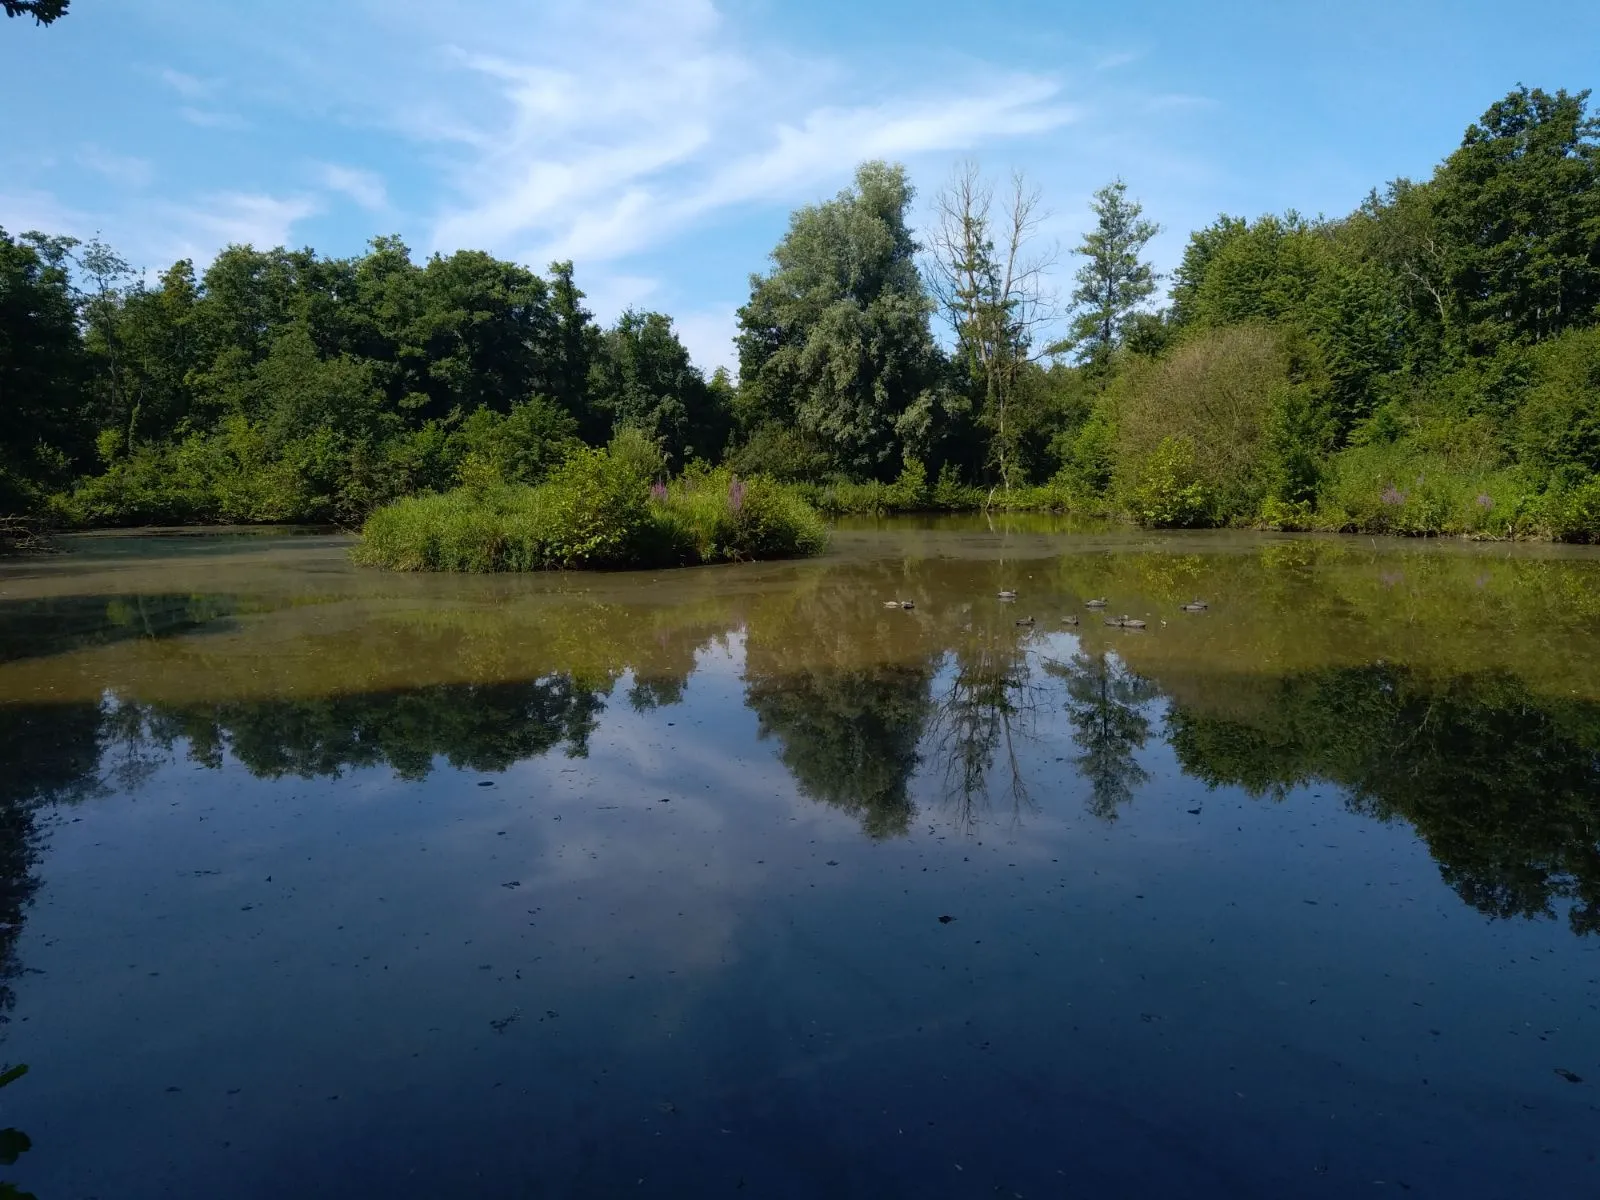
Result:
x=599 y=509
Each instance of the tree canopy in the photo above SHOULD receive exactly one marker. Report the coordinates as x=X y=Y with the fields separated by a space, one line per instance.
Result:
x=42 y=11
x=835 y=339
x=1426 y=363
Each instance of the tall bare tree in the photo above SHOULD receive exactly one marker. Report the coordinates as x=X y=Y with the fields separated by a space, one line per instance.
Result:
x=989 y=273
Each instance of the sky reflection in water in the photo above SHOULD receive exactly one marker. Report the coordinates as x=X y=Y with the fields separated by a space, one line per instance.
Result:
x=347 y=884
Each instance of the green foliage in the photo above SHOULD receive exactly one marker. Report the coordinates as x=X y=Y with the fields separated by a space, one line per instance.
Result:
x=1164 y=487
x=782 y=452
x=1445 y=331
x=1519 y=206
x=1558 y=422
x=41 y=368
x=599 y=509
x=520 y=446
x=1194 y=431
x=835 y=340
x=43 y=12
x=643 y=379
x=1113 y=281
x=1088 y=454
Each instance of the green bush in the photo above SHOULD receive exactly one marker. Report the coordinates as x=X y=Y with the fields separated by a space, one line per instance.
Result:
x=1166 y=491
x=599 y=509
x=243 y=472
x=1204 y=435
x=1402 y=489
x=1558 y=424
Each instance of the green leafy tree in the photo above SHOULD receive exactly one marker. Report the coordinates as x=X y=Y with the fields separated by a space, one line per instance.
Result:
x=1519 y=203
x=835 y=339
x=43 y=12
x=642 y=378
x=1237 y=272
x=42 y=364
x=1114 y=281
x=101 y=305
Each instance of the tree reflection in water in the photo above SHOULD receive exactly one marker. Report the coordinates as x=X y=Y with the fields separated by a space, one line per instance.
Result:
x=990 y=702
x=849 y=737
x=1502 y=783
x=1105 y=706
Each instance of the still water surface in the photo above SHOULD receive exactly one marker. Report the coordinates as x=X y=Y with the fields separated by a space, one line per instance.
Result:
x=734 y=881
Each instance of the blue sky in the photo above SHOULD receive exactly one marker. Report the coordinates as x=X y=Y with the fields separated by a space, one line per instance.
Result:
x=662 y=143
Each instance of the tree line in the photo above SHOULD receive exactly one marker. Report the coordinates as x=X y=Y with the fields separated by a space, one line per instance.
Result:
x=1427 y=363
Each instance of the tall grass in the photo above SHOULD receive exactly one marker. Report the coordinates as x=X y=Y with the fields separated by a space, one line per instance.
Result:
x=599 y=510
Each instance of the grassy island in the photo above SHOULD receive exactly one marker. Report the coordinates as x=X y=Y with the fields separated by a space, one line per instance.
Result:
x=599 y=509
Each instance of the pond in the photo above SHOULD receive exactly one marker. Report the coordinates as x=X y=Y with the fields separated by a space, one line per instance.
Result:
x=735 y=880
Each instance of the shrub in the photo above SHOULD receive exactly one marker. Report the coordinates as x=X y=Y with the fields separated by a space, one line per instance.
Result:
x=598 y=509
x=1192 y=431
x=1166 y=491
x=1403 y=489
x=1559 y=423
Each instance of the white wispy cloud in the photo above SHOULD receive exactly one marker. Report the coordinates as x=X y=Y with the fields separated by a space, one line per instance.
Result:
x=243 y=218
x=364 y=188
x=1117 y=58
x=206 y=118
x=23 y=210
x=188 y=86
x=600 y=131
x=124 y=169
x=613 y=132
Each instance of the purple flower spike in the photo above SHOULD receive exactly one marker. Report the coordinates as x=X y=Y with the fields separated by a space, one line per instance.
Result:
x=658 y=490
x=1484 y=501
x=735 y=495
x=1393 y=496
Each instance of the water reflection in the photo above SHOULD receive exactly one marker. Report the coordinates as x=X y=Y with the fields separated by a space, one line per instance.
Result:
x=480 y=727
x=242 y=947
x=988 y=703
x=1501 y=783
x=849 y=737
x=40 y=628
x=1107 y=706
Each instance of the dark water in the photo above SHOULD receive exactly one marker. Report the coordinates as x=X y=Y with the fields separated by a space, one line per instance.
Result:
x=316 y=882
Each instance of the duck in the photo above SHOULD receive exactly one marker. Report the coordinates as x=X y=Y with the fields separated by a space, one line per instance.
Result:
x=1025 y=621
x=1193 y=606
x=1007 y=594
x=1070 y=619
x=1094 y=604
x=1124 y=623
x=908 y=604
x=891 y=604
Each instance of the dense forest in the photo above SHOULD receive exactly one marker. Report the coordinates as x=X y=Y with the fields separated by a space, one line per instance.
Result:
x=1428 y=363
